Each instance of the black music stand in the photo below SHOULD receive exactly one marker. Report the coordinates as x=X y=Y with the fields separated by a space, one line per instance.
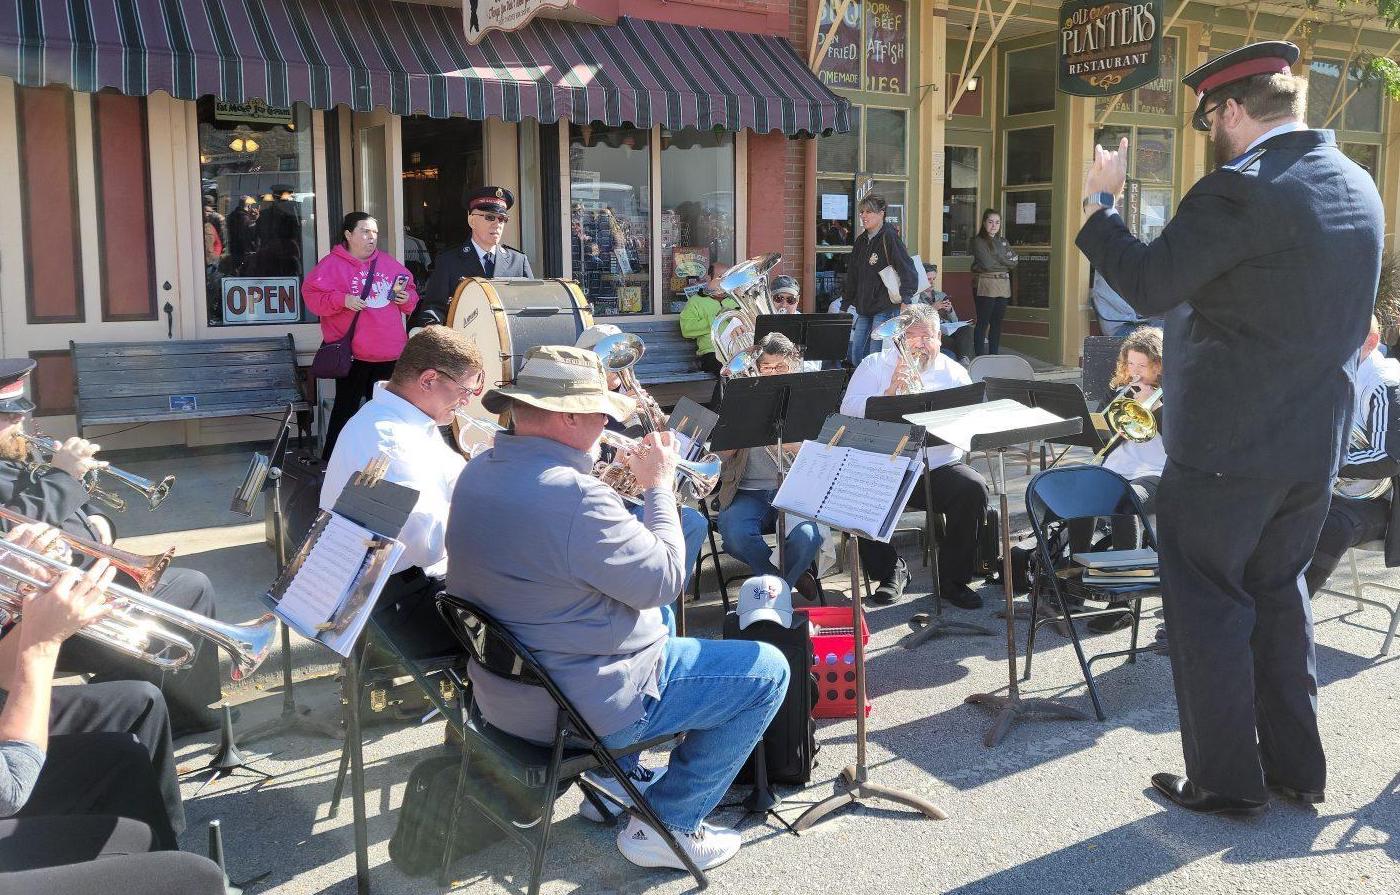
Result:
x=769 y=411
x=886 y=438
x=294 y=718
x=822 y=337
x=895 y=409
x=694 y=422
x=998 y=426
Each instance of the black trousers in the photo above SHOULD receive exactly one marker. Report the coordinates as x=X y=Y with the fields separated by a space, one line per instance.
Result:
x=960 y=342
x=356 y=388
x=160 y=873
x=187 y=692
x=83 y=775
x=29 y=843
x=987 y=335
x=960 y=495
x=1126 y=535
x=1349 y=522
x=1233 y=551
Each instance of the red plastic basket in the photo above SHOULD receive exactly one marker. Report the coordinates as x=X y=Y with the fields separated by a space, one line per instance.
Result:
x=834 y=661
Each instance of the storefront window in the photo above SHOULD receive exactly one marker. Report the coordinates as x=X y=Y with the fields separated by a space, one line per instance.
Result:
x=610 y=215
x=259 y=227
x=1363 y=113
x=1030 y=156
x=961 y=178
x=1026 y=217
x=835 y=212
x=841 y=152
x=1152 y=160
x=1030 y=80
x=1152 y=154
x=697 y=209
x=896 y=212
x=1326 y=95
x=885 y=147
x=442 y=162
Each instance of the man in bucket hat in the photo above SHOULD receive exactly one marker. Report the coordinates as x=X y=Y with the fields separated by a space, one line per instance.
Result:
x=555 y=556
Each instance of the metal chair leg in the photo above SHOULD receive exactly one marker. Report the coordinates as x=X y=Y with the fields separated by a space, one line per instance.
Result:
x=1079 y=653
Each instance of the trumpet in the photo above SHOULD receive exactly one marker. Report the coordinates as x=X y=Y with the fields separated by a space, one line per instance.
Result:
x=154 y=492
x=696 y=476
x=139 y=624
x=894 y=330
x=144 y=570
x=484 y=430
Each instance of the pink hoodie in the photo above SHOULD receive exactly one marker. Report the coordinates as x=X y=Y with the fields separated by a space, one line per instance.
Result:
x=380 y=334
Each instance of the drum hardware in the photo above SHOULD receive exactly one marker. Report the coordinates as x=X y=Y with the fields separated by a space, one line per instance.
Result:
x=154 y=492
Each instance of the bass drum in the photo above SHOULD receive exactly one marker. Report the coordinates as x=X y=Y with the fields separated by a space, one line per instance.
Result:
x=508 y=318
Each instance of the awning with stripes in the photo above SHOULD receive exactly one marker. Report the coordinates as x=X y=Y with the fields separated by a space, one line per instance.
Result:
x=412 y=58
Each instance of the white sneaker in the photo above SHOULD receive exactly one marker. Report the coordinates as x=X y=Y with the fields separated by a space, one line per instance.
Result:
x=642 y=776
x=709 y=846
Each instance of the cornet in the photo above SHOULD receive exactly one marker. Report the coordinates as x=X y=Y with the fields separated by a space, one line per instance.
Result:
x=138 y=623
x=696 y=476
x=484 y=430
x=154 y=492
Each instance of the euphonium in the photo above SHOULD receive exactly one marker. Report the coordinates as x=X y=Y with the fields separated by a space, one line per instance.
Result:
x=732 y=331
x=484 y=430
x=135 y=625
x=154 y=492
x=1360 y=489
x=894 y=330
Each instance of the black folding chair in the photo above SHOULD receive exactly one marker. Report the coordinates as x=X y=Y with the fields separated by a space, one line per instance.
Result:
x=575 y=748
x=1054 y=498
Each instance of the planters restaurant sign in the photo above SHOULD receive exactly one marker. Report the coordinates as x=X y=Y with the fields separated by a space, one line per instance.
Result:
x=1108 y=47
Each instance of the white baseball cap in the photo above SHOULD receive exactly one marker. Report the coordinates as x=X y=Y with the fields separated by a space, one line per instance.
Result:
x=765 y=598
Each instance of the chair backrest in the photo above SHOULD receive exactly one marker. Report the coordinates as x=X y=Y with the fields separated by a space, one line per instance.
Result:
x=1081 y=492
x=1100 y=360
x=1000 y=366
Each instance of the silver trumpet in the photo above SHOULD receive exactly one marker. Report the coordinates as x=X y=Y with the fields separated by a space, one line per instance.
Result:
x=139 y=625
x=154 y=492
x=484 y=432
x=697 y=477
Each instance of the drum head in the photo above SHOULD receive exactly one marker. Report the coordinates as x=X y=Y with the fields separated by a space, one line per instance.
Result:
x=506 y=318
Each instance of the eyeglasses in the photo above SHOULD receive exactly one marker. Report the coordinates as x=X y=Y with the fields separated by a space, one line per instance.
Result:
x=786 y=299
x=466 y=390
x=492 y=217
x=1200 y=121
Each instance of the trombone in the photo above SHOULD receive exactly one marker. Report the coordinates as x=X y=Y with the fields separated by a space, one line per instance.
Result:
x=154 y=492
x=139 y=624
x=1131 y=419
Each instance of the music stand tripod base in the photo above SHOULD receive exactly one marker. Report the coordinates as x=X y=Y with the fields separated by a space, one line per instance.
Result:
x=933 y=624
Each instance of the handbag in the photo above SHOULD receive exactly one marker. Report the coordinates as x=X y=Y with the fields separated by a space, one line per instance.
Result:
x=889 y=276
x=333 y=359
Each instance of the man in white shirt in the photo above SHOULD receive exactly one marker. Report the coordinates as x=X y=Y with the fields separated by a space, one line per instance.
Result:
x=959 y=492
x=440 y=370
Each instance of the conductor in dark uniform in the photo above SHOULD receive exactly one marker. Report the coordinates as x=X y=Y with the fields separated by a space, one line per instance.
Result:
x=488 y=212
x=1285 y=232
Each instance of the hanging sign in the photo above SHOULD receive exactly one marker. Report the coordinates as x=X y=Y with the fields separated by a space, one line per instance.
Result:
x=480 y=17
x=254 y=111
x=1108 y=47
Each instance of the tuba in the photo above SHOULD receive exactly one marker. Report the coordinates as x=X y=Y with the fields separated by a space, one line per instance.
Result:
x=139 y=624
x=694 y=478
x=732 y=331
x=893 y=330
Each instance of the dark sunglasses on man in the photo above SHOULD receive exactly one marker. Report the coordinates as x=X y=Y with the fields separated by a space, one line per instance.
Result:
x=492 y=217
x=785 y=299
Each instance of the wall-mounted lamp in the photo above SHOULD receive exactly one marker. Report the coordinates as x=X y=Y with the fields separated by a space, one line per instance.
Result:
x=973 y=83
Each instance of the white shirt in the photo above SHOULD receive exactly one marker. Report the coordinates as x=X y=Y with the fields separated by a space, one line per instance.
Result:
x=1286 y=128
x=482 y=253
x=873 y=376
x=418 y=459
x=1136 y=460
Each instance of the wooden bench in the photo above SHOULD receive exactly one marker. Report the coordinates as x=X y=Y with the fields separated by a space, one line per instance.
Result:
x=670 y=369
x=149 y=382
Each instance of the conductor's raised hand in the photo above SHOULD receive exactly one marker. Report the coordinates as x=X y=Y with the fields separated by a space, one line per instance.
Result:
x=1109 y=170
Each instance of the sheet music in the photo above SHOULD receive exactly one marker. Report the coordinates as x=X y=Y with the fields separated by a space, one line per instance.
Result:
x=958 y=425
x=847 y=488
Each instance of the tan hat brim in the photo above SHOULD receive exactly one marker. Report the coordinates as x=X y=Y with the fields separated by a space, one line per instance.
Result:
x=619 y=407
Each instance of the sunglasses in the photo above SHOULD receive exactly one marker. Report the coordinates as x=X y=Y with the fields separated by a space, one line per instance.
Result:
x=492 y=217
x=465 y=390
x=785 y=299
x=1199 y=122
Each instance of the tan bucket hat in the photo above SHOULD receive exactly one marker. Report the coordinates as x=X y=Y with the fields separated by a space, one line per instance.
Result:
x=563 y=379
x=596 y=333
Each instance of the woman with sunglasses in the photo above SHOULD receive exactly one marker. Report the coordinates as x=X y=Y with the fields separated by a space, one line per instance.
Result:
x=483 y=255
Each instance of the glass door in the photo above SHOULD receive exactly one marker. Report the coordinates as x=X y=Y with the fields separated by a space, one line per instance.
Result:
x=375 y=146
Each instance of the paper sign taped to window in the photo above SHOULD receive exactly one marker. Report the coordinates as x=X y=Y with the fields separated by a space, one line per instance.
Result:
x=836 y=207
x=1025 y=212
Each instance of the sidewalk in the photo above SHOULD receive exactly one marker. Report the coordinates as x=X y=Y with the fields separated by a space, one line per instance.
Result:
x=1057 y=807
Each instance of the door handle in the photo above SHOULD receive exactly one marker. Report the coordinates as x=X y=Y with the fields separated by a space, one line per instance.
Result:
x=169 y=320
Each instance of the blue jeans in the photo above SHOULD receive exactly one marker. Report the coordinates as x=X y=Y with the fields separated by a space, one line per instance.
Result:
x=743 y=524
x=861 y=329
x=722 y=694
x=694 y=529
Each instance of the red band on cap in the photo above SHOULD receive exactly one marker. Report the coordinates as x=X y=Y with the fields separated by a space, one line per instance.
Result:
x=12 y=390
x=1268 y=65
x=488 y=203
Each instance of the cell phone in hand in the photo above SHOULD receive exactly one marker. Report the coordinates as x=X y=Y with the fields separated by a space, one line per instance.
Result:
x=400 y=281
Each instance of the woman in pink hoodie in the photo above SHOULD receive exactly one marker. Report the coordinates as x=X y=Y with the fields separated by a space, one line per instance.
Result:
x=336 y=291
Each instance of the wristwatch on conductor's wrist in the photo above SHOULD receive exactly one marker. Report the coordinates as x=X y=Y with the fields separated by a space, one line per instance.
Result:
x=1103 y=198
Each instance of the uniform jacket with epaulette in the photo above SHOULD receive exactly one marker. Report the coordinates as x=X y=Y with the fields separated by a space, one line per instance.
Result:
x=1267 y=275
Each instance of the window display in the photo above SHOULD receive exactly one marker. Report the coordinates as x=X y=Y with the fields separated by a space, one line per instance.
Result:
x=697 y=209
x=610 y=216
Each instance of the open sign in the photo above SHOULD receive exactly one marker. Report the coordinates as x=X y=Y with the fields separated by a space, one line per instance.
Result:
x=250 y=300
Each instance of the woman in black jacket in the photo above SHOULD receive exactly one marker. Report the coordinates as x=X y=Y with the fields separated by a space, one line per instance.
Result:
x=992 y=263
x=876 y=248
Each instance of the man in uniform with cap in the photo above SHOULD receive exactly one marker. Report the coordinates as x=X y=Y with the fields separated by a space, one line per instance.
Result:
x=1258 y=400
x=58 y=497
x=553 y=554
x=488 y=212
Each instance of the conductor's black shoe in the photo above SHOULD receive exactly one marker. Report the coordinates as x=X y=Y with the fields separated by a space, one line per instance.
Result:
x=1191 y=797
x=892 y=588
x=961 y=596
x=808 y=586
x=1302 y=796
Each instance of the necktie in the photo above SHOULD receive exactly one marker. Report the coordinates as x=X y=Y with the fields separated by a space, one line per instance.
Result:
x=489 y=265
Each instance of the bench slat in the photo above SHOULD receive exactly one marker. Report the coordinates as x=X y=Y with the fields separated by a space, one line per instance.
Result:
x=184 y=361
x=159 y=416
x=176 y=379
x=182 y=346
x=117 y=390
x=203 y=399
